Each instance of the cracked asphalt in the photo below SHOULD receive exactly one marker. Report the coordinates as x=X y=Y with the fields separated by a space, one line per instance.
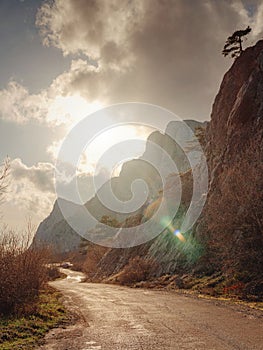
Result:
x=116 y=317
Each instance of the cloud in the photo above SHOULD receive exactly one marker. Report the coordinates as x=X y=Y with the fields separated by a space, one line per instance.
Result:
x=162 y=52
x=86 y=188
x=58 y=105
x=81 y=77
x=30 y=192
x=40 y=175
x=85 y=26
x=17 y=105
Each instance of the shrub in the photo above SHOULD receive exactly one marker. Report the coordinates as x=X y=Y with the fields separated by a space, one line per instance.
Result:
x=53 y=273
x=23 y=273
x=94 y=255
x=138 y=269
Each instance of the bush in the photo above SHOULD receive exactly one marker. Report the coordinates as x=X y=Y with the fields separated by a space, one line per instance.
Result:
x=23 y=273
x=95 y=253
x=138 y=269
x=53 y=273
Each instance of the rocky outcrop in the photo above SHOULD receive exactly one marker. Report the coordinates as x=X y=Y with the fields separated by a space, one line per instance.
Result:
x=56 y=231
x=142 y=168
x=232 y=222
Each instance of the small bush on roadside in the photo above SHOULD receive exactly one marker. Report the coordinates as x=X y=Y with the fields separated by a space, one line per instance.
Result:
x=138 y=269
x=53 y=273
x=94 y=255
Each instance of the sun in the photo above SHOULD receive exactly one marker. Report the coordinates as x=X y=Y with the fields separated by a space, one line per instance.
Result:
x=103 y=142
x=69 y=110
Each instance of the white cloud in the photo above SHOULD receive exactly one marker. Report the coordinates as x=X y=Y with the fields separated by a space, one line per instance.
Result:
x=256 y=22
x=30 y=192
x=31 y=189
x=18 y=105
x=40 y=175
x=97 y=25
x=59 y=104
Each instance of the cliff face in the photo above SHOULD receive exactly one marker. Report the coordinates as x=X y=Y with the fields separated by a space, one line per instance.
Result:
x=55 y=230
x=232 y=221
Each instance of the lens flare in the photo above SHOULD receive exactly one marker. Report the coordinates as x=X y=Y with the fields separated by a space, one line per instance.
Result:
x=168 y=225
x=178 y=234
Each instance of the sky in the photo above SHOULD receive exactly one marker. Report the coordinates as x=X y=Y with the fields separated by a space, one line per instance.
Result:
x=61 y=60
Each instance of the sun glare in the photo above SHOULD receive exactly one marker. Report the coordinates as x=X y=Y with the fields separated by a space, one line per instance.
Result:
x=103 y=143
x=70 y=110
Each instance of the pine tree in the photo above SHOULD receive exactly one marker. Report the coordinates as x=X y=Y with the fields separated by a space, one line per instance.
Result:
x=233 y=44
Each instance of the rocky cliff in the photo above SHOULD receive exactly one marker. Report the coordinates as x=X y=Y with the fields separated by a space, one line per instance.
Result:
x=232 y=221
x=56 y=231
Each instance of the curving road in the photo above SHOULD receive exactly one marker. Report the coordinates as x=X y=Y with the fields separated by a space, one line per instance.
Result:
x=121 y=318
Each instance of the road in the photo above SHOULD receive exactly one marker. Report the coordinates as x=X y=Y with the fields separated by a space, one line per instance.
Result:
x=121 y=318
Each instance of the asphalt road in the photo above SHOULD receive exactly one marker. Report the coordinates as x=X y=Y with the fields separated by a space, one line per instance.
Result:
x=114 y=317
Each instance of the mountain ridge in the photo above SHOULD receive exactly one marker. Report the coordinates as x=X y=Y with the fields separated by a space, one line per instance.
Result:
x=55 y=223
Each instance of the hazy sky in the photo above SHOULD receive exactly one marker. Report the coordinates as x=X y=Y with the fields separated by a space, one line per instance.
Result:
x=61 y=59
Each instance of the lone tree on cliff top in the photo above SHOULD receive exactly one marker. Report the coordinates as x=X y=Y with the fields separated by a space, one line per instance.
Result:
x=233 y=44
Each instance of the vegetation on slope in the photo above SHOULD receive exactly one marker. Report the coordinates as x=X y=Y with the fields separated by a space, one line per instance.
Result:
x=27 y=330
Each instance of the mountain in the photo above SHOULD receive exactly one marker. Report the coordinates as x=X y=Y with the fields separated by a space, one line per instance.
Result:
x=55 y=230
x=142 y=168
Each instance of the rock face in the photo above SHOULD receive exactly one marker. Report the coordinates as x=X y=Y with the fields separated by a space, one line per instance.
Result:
x=232 y=221
x=142 y=169
x=170 y=254
x=55 y=230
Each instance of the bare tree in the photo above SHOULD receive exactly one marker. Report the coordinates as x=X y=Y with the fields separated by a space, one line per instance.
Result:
x=4 y=172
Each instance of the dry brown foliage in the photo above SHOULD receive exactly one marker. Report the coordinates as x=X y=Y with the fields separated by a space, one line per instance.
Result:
x=138 y=269
x=94 y=255
x=23 y=272
x=23 y=269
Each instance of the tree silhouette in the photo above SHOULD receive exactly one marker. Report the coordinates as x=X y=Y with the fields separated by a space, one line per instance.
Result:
x=4 y=172
x=233 y=44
